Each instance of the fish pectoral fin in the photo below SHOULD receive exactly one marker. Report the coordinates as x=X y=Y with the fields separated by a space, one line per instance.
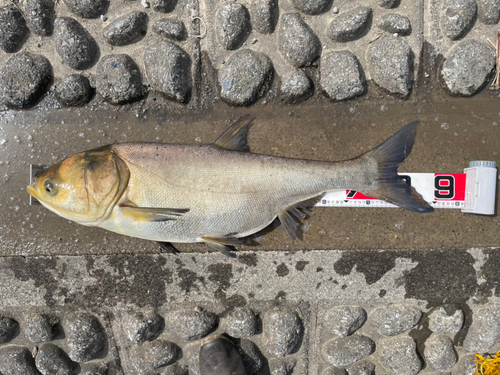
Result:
x=168 y=247
x=150 y=214
x=224 y=244
x=236 y=137
x=293 y=217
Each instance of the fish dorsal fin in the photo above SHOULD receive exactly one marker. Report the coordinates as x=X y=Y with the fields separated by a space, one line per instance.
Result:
x=236 y=137
x=224 y=245
x=149 y=214
x=293 y=217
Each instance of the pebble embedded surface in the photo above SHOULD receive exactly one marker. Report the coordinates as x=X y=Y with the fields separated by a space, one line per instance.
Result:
x=297 y=42
x=192 y=324
x=8 y=327
x=296 y=87
x=52 y=360
x=24 y=79
x=345 y=320
x=118 y=79
x=17 y=360
x=74 y=90
x=350 y=25
x=391 y=65
x=341 y=75
x=154 y=354
x=241 y=322
x=282 y=331
x=395 y=319
x=85 y=336
x=484 y=332
x=143 y=326
x=233 y=25
x=395 y=23
x=488 y=11
x=40 y=327
x=170 y=28
x=399 y=355
x=345 y=351
x=456 y=73
x=86 y=8
x=168 y=70
x=446 y=320
x=244 y=77
x=126 y=29
x=13 y=29
x=264 y=14
x=76 y=47
x=39 y=15
x=457 y=17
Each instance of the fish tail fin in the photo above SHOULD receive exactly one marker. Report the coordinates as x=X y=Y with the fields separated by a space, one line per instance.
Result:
x=390 y=187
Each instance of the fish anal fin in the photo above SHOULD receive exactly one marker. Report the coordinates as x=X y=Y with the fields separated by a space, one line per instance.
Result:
x=150 y=214
x=168 y=247
x=236 y=137
x=223 y=244
x=293 y=217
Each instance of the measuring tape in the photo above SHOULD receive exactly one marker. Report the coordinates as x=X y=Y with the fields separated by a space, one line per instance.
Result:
x=472 y=191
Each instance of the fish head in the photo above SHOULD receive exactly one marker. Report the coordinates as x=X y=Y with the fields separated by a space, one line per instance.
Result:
x=83 y=188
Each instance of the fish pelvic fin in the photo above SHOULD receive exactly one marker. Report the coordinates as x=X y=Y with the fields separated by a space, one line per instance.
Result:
x=391 y=187
x=294 y=216
x=168 y=247
x=236 y=137
x=224 y=244
x=148 y=214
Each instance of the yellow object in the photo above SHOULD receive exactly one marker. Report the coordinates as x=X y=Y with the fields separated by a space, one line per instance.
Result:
x=487 y=366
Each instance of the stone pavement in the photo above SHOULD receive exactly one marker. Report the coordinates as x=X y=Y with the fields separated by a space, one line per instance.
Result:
x=315 y=312
x=77 y=301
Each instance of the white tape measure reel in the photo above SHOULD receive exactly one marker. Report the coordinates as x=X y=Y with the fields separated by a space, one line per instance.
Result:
x=472 y=191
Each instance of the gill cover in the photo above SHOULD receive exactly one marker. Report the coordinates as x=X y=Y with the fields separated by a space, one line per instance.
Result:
x=84 y=187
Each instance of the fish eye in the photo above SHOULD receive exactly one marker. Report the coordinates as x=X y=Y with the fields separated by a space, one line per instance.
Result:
x=49 y=187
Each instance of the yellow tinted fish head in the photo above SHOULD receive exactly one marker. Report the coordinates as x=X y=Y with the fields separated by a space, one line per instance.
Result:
x=82 y=188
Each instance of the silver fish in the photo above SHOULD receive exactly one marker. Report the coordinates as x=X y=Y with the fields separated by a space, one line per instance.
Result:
x=215 y=193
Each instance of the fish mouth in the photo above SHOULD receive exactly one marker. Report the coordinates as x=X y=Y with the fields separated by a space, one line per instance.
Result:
x=33 y=191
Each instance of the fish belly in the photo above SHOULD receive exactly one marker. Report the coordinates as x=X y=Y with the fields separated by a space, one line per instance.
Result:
x=228 y=193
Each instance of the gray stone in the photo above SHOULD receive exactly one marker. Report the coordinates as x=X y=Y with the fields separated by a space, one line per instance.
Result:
x=233 y=25
x=119 y=79
x=251 y=355
x=345 y=351
x=240 y=322
x=395 y=23
x=344 y=320
x=153 y=354
x=395 y=319
x=8 y=329
x=143 y=326
x=391 y=65
x=333 y=371
x=24 y=79
x=341 y=78
x=446 y=320
x=127 y=29
x=170 y=28
x=16 y=360
x=311 y=6
x=13 y=29
x=168 y=69
x=87 y=8
x=191 y=356
x=264 y=15
x=399 y=355
x=95 y=369
x=387 y=3
x=164 y=6
x=365 y=367
x=440 y=353
x=52 y=360
x=39 y=16
x=457 y=17
x=282 y=330
x=40 y=327
x=278 y=366
x=73 y=91
x=85 y=336
x=245 y=77
x=176 y=369
x=349 y=25
x=74 y=44
x=297 y=42
x=192 y=324
x=296 y=87
x=488 y=11
x=466 y=365
x=467 y=67
x=484 y=332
